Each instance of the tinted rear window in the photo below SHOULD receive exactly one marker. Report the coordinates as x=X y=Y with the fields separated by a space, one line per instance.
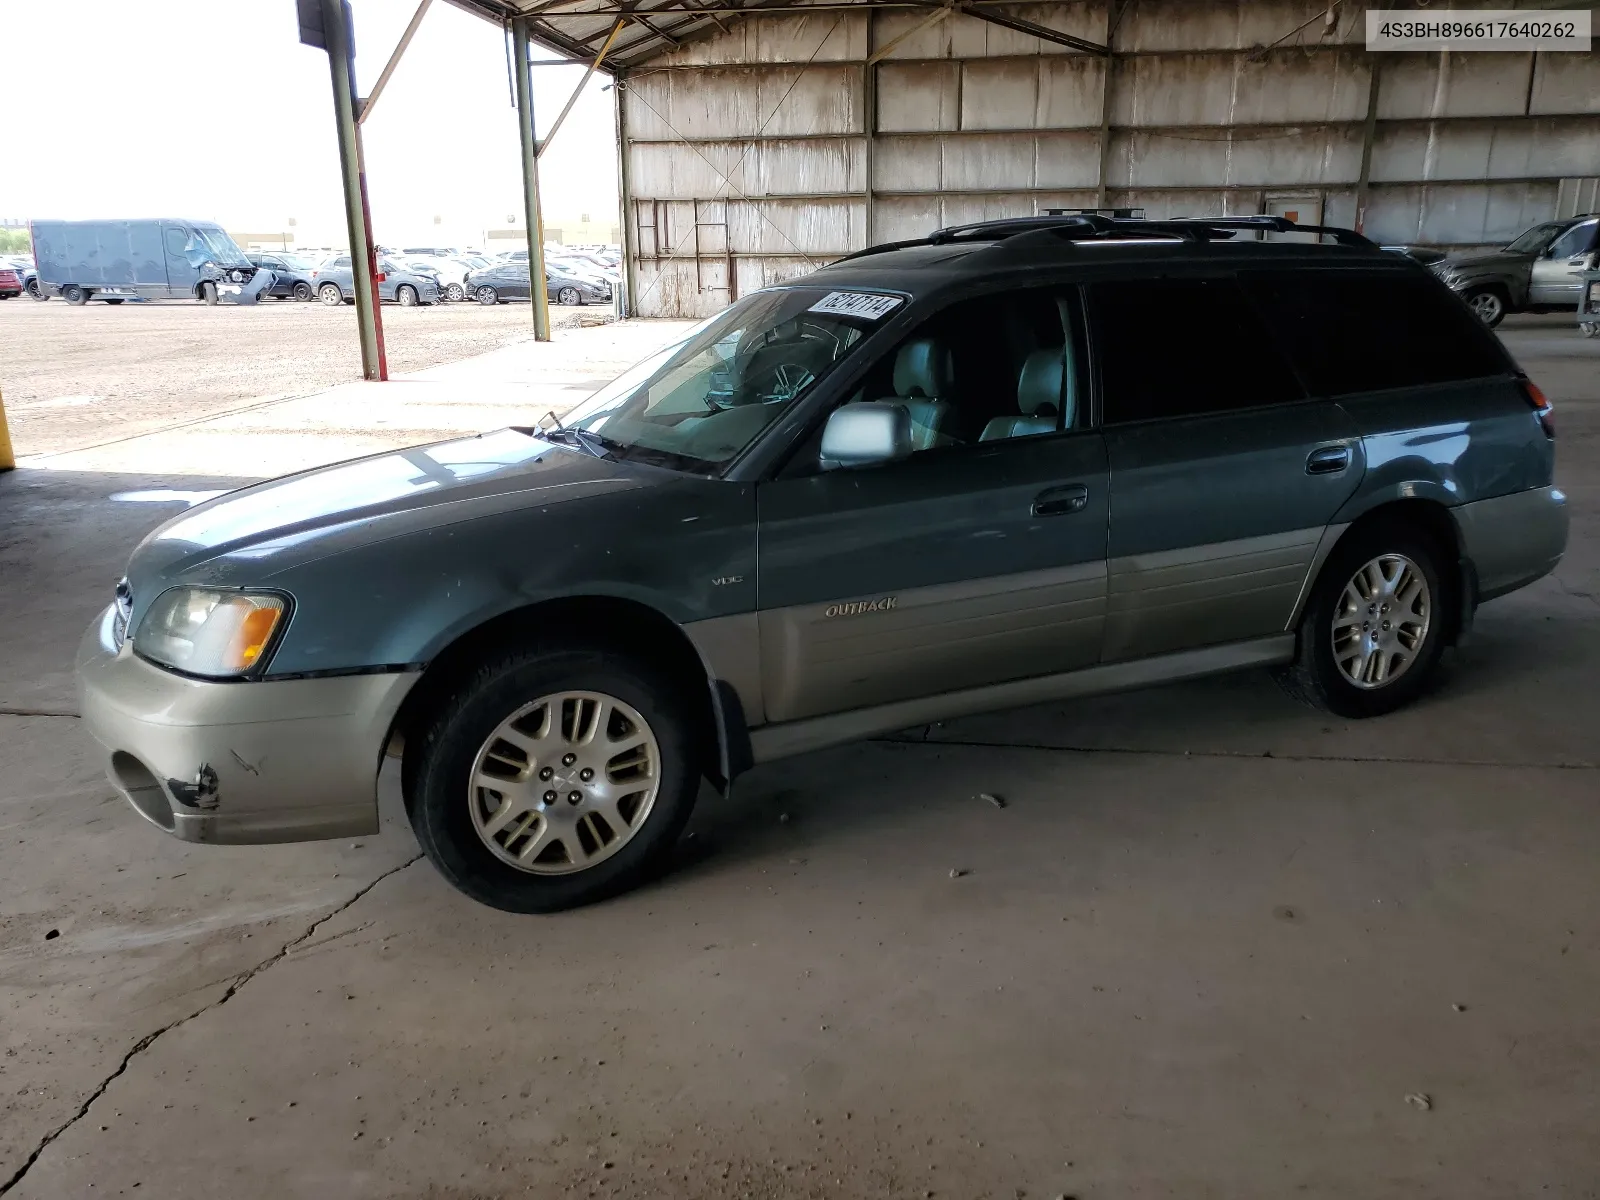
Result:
x=1184 y=347
x=1349 y=331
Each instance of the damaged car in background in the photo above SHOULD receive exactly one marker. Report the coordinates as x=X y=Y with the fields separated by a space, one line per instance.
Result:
x=1538 y=271
x=159 y=258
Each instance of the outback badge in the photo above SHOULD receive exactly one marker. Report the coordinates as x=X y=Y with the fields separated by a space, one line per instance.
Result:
x=856 y=607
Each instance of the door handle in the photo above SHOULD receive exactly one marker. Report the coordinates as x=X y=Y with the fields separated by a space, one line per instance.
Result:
x=1327 y=460
x=1068 y=498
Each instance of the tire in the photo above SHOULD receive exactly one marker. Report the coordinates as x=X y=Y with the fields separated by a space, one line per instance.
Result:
x=455 y=293
x=302 y=291
x=37 y=292
x=208 y=293
x=1400 y=553
x=330 y=294
x=1589 y=328
x=454 y=818
x=73 y=294
x=569 y=296
x=1488 y=304
x=114 y=300
x=406 y=296
x=487 y=295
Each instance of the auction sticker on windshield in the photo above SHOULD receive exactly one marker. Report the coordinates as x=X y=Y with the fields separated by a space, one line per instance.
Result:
x=869 y=305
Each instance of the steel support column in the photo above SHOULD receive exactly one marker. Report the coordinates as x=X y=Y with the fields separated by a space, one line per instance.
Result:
x=1369 y=133
x=869 y=125
x=341 y=56
x=523 y=78
x=626 y=230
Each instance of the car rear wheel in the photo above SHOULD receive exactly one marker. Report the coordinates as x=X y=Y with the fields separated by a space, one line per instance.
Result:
x=1489 y=304
x=330 y=294
x=487 y=295
x=406 y=296
x=1374 y=626
x=569 y=296
x=1589 y=328
x=73 y=294
x=302 y=291
x=553 y=777
x=455 y=293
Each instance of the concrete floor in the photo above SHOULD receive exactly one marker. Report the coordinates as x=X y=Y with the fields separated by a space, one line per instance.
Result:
x=1209 y=949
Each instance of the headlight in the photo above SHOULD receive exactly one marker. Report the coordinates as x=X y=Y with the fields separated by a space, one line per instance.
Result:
x=206 y=632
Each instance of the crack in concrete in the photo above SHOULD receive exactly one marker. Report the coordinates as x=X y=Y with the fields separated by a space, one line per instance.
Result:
x=974 y=744
x=149 y=1039
x=8 y=711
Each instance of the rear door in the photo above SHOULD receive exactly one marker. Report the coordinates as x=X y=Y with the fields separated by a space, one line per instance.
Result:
x=980 y=558
x=1554 y=277
x=1224 y=474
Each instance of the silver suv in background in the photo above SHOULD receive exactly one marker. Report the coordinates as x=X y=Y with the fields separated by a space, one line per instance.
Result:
x=335 y=282
x=1537 y=272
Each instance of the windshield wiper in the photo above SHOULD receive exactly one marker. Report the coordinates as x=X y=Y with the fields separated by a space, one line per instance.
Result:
x=581 y=438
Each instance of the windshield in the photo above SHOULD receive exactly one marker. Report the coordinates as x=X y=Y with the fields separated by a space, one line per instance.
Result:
x=220 y=246
x=696 y=404
x=1535 y=239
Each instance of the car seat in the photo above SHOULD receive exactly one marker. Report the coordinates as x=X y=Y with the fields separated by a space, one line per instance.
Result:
x=1040 y=397
x=922 y=381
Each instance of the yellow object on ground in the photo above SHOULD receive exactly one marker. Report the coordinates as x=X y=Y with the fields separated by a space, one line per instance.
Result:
x=7 y=458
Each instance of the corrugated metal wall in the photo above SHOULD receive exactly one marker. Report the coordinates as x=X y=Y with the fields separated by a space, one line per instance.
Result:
x=756 y=155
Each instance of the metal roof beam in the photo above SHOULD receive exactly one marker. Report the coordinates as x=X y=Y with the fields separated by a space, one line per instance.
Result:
x=1042 y=32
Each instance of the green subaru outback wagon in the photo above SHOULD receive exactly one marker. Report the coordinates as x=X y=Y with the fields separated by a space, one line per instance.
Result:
x=1006 y=463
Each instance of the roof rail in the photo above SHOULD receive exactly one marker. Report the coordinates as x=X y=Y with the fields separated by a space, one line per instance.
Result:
x=1092 y=226
x=1345 y=237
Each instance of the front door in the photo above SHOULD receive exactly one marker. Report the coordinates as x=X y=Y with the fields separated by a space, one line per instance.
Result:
x=977 y=559
x=1223 y=475
x=1555 y=278
x=183 y=264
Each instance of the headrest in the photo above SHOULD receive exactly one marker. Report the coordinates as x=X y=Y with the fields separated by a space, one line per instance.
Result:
x=1040 y=383
x=922 y=368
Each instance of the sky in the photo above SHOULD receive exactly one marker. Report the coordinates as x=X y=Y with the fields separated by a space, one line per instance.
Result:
x=212 y=109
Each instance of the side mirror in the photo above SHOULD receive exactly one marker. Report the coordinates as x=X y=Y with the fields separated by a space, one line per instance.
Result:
x=858 y=435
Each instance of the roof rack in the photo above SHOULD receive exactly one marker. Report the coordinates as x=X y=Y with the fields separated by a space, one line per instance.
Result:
x=1345 y=237
x=1092 y=226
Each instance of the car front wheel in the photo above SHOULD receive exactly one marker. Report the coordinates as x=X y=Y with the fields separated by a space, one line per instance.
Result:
x=1374 y=626
x=1488 y=304
x=553 y=778
x=487 y=295
x=208 y=293
x=406 y=296
x=330 y=294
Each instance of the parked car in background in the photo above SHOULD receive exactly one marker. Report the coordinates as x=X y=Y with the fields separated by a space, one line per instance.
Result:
x=509 y=281
x=953 y=475
x=451 y=274
x=11 y=284
x=291 y=275
x=430 y=252
x=164 y=257
x=335 y=283
x=1536 y=272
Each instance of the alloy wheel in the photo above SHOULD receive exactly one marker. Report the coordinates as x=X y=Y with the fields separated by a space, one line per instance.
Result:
x=564 y=783
x=1488 y=306
x=1381 y=621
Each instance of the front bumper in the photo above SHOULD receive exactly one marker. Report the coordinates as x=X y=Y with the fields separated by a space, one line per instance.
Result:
x=238 y=762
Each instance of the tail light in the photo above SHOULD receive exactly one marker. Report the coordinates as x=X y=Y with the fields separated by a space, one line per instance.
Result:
x=1540 y=403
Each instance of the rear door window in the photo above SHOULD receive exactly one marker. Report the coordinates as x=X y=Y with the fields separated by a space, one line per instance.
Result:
x=1365 y=331
x=1184 y=347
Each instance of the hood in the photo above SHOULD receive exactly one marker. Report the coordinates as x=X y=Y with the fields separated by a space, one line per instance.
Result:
x=1481 y=260
x=1426 y=255
x=248 y=536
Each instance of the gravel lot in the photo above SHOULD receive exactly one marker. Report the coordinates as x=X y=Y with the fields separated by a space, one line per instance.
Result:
x=165 y=363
